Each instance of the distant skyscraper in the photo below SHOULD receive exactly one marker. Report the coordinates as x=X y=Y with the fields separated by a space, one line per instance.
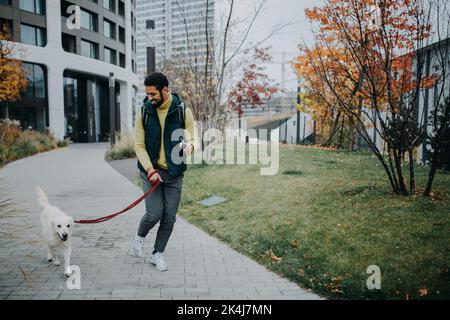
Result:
x=173 y=23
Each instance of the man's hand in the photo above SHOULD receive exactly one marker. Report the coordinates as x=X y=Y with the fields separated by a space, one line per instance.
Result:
x=188 y=148
x=154 y=177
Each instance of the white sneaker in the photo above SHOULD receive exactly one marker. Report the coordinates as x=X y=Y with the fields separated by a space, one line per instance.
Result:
x=137 y=247
x=158 y=260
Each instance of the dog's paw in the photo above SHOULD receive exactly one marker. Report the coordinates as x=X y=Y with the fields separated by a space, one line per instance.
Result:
x=56 y=263
x=68 y=274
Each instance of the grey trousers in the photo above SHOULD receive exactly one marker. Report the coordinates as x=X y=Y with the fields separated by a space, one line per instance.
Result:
x=161 y=206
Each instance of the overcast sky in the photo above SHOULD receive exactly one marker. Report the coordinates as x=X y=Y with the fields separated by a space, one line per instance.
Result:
x=279 y=12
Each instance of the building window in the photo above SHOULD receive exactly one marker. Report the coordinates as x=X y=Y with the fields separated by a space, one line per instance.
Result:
x=121 y=34
x=109 y=4
x=150 y=24
x=89 y=49
x=35 y=6
x=110 y=55
x=121 y=8
x=122 y=60
x=89 y=20
x=69 y=43
x=6 y=24
x=133 y=67
x=64 y=6
x=109 y=29
x=36 y=80
x=32 y=35
x=5 y=2
x=132 y=43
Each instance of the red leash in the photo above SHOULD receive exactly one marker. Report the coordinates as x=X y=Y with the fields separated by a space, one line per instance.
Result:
x=106 y=218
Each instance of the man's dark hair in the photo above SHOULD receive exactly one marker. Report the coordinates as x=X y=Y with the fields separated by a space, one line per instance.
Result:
x=156 y=79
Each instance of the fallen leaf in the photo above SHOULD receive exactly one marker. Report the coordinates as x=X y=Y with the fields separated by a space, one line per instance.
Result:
x=294 y=244
x=423 y=292
x=336 y=291
x=273 y=257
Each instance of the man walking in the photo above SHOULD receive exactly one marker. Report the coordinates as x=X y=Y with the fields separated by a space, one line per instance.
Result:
x=163 y=118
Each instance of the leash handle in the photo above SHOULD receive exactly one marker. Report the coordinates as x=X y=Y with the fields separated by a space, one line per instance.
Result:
x=108 y=217
x=151 y=174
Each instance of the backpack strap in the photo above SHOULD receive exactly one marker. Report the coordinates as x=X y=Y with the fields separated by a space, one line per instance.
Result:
x=182 y=114
x=144 y=117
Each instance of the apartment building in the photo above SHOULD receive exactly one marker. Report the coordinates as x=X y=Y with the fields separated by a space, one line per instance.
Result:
x=168 y=26
x=68 y=68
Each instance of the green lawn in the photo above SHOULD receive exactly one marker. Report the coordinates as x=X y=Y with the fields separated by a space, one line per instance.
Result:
x=328 y=220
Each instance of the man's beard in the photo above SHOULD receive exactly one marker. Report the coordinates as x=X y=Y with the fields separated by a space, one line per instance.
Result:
x=157 y=104
x=161 y=101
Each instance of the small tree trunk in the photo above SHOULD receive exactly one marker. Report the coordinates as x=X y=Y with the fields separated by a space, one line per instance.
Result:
x=394 y=183
x=322 y=125
x=333 y=130
x=401 y=179
x=352 y=135
x=412 y=182
x=314 y=131
x=433 y=168
x=389 y=173
x=427 y=191
x=342 y=133
x=357 y=137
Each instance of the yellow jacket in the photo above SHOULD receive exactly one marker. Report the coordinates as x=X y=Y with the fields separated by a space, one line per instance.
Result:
x=139 y=139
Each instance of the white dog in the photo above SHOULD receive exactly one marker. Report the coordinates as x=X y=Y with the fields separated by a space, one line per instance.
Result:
x=57 y=228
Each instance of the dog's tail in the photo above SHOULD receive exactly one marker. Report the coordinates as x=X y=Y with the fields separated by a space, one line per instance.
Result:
x=42 y=198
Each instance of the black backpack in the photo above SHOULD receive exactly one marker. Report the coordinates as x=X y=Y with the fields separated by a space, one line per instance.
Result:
x=181 y=113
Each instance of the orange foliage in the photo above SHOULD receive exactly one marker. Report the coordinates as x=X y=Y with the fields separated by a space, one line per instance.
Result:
x=364 y=50
x=11 y=74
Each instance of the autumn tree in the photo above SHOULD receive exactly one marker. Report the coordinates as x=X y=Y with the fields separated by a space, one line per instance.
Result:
x=317 y=100
x=203 y=74
x=369 y=55
x=254 y=85
x=12 y=77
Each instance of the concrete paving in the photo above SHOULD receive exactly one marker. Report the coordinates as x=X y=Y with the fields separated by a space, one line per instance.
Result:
x=79 y=181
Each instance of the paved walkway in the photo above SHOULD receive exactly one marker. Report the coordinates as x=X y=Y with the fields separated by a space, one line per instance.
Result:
x=81 y=183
